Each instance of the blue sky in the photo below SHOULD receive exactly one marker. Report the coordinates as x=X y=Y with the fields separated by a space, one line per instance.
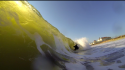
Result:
x=90 y=19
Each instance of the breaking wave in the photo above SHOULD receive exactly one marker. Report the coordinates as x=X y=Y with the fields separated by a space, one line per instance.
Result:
x=83 y=43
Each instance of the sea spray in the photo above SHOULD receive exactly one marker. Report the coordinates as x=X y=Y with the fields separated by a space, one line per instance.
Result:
x=83 y=43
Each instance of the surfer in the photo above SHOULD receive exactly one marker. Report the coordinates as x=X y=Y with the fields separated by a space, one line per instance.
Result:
x=76 y=47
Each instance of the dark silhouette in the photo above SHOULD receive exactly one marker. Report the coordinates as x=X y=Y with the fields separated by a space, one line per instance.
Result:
x=76 y=47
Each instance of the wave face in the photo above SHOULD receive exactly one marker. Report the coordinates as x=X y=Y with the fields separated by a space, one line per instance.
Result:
x=28 y=42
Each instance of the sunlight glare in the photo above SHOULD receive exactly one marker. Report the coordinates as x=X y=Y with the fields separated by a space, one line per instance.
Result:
x=18 y=2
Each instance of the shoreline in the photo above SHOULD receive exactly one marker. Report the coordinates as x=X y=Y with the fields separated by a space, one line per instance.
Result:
x=110 y=40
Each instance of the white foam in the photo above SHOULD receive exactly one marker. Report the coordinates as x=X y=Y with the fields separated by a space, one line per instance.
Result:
x=83 y=43
x=60 y=48
x=39 y=42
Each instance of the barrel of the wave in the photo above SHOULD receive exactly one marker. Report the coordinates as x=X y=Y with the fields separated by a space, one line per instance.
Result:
x=19 y=21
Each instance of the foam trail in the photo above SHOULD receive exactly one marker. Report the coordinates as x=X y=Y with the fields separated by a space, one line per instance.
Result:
x=39 y=41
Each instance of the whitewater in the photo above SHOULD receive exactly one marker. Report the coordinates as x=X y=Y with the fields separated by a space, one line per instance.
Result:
x=94 y=55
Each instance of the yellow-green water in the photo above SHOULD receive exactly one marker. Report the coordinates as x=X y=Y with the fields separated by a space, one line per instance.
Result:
x=19 y=21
